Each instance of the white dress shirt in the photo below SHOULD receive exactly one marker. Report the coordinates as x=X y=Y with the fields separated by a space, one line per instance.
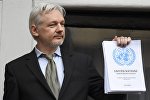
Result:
x=58 y=60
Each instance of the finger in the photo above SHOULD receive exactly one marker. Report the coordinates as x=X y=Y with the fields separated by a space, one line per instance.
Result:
x=125 y=41
x=115 y=38
x=121 y=41
x=118 y=39
x=128 y=40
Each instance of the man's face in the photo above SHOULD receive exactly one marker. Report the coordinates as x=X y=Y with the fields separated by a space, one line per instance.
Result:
x=51 y=31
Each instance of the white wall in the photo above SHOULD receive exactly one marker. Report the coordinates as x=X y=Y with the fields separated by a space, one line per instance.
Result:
x=102 y=3
x=15 y=37
x=1 y=67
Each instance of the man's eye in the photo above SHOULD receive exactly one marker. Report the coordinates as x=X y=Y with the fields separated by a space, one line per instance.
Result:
x=63 y=24
x=52 y=25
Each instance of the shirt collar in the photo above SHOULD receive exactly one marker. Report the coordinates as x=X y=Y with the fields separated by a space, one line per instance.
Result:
x=57 y=52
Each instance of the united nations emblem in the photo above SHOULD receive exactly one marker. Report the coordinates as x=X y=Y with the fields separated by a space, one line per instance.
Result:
x=124 y=56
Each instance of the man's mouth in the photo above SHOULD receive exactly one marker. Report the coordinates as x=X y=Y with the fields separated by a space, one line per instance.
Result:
x=58 y=37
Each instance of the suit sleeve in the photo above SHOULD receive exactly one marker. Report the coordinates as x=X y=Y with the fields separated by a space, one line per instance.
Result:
x=10 y=85
x=96 y=83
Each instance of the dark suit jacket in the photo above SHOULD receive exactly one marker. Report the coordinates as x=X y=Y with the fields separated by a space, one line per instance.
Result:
x=25 y=81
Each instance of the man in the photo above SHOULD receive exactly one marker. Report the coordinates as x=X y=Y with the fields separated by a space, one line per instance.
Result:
x=26 y=76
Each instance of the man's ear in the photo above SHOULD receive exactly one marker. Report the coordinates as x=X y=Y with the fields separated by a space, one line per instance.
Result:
x=34 y=31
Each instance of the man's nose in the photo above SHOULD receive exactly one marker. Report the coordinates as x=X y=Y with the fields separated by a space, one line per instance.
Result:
x=60 y=27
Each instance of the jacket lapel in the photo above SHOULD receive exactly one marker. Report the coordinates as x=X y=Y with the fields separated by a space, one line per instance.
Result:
x=33 y=65
x=68 y=68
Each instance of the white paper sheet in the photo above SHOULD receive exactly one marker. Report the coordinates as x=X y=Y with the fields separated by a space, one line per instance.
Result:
x=123 y=67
